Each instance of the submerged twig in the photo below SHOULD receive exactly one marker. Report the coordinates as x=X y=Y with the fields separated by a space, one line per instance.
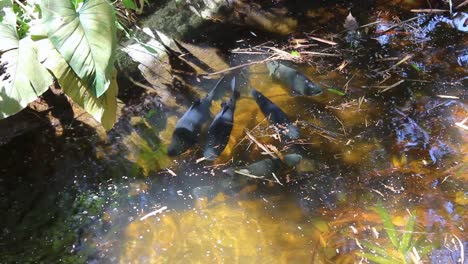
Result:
x=385 y=87
x=329 y=42
x=462 y=124
x=429 y=10
x=332 y=136
x=153 y=213
x=276 y=178
x=401 y=23
x=250 y=175
x=260 y=145
x=271 y=58
x=462 y=4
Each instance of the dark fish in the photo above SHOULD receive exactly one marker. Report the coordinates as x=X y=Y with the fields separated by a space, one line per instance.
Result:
x=268 y=166
x=221 y=127
x=275 y=114
x=189 y=125
x=293 y=79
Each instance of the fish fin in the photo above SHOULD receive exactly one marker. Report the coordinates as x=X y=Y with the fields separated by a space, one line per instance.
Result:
x=196 y=102
x=233 y=83
x=210 y=95
x=225 y=106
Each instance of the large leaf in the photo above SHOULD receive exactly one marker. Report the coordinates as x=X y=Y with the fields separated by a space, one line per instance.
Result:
x=8 y=38
x=85 y=38
x=22 y=76
x=103 y=109
x=7 y=16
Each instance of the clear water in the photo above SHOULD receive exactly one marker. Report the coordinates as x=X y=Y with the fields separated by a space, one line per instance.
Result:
x=73 y=198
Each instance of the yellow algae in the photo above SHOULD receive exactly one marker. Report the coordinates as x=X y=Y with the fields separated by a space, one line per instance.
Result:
x=357 y=153
x=461 y=198
x=244 y=231
x=166 y=134
x=147 y=158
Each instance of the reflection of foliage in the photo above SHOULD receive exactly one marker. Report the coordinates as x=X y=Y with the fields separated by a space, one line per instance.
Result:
x=401 y=249
x=76 y=43
x=146 y=149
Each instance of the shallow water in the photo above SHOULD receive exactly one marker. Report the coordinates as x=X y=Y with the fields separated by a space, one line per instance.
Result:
x=363 y=148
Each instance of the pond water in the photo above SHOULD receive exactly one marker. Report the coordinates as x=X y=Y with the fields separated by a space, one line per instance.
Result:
x=382 y=176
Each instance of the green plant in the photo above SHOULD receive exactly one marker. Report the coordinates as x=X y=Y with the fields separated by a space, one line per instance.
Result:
x=71 y=41
x=399 y=249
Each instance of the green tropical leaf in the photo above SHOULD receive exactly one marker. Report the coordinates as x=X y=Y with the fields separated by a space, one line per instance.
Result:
x=129 y=4
x=85 y=38
x=6 y=12
x=23 y=78
x=8 y=38
x=103 y=109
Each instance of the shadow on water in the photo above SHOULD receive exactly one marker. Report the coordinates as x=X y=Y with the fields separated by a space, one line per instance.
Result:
x=374 y=157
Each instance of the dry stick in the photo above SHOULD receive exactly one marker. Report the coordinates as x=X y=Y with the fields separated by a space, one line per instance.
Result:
x=242 y=140
x=31 y=13
x=342 y=126
x=153 y=213
x=251 y=175
x=276 y=178
x=462 y=4
x=219 y=164
x=200 y=160
x=370 y=24
x=171 y=172
x=401 y=23
x=448 y=96
x=392 y=86
x=239 y=66
x=406 y=58
x=429 y=10
x=260 y=145
x=462 y=124
x=329 y=42
x=462 y=250
x=320 y=54
x=331 y=134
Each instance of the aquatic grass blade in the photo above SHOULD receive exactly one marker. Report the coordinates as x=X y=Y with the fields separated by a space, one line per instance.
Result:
x=415 y=67
x=405 y=242
x=388 y=225
x=376 y=258
x=335 y=91
x=387 y=254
